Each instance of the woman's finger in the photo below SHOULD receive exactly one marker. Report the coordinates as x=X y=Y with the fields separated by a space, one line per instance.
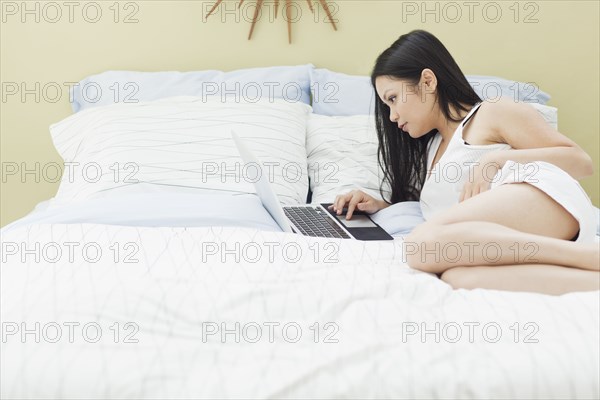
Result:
x=341 y=202
x=356 y=198
x=463 y=193
x=468 y=191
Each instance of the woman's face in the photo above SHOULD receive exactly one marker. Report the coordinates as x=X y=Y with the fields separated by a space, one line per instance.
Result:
x=412 y=107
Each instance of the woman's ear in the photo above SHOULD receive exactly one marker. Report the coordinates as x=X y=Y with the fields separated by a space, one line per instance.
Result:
x=428 y=81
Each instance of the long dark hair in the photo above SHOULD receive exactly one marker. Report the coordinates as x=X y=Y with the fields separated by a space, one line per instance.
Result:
x=403 y=159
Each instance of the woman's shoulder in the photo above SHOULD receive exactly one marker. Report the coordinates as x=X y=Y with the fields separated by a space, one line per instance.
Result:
x=503 y=108
x=504 y=113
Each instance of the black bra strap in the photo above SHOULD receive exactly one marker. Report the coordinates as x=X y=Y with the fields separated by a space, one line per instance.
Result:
x=478 y=105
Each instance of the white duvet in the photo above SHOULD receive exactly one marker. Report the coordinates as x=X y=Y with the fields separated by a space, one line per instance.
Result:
x=339 y=319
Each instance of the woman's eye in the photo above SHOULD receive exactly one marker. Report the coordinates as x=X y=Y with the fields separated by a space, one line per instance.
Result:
x=391 y=99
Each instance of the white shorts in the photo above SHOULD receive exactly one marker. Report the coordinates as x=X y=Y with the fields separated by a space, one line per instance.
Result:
x=559 y=185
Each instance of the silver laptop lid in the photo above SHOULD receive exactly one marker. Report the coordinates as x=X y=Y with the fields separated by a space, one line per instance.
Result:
x=263 y=187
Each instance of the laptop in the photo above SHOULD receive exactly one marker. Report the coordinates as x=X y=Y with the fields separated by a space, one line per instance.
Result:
x=310 y=219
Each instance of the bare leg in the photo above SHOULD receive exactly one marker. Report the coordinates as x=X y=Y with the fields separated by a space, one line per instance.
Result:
x=435 y=248
x=511 y=224
x=548 y=279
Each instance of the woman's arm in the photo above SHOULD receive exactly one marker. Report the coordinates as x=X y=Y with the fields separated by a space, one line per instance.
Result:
x=533 y=139
x=573 y=160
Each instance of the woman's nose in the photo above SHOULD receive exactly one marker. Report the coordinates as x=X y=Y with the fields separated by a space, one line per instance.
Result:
x=393 y=116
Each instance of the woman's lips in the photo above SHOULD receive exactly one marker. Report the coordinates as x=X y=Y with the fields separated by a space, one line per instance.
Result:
x=403 y=127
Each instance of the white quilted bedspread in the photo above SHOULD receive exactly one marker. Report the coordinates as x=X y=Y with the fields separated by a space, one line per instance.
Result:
x=228 y=312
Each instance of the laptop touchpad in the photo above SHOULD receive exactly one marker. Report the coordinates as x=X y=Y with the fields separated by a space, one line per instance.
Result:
x=357 y=221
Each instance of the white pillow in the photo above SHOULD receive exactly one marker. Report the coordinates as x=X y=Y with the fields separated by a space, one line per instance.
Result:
x=182 y=144
x=342 y=156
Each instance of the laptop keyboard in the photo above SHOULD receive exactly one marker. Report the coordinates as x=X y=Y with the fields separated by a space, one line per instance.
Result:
x=313 y=221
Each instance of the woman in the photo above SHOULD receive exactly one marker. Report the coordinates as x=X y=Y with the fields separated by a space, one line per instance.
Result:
x=497 y=185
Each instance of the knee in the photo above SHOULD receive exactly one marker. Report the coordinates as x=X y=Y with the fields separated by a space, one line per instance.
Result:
x=412 y=246
x=420 y=245
x=460 y=278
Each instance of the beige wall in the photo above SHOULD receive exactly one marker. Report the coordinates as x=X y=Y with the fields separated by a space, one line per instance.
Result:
x=558 y=48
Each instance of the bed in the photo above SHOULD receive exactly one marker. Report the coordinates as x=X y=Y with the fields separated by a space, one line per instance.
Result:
x=155 y=272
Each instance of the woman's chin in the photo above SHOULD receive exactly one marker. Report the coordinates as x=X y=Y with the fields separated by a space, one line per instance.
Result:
x=413 y=133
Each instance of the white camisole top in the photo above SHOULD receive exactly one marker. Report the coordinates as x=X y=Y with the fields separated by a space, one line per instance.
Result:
x=446 y=179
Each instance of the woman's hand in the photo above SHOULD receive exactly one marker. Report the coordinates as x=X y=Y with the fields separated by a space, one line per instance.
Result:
x=480 y=178
x=357 y=199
